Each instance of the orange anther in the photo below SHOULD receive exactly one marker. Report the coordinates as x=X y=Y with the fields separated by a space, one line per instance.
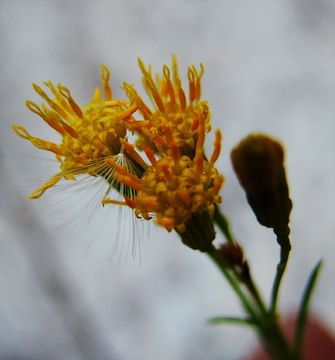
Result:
x=133 y=153
x=127 y=180
x=195 y=124
x=172 y=145
x=182 y=97
x=121 y=170
x=74 y=106
x=70 y=130
x=150 y=154
x=127 y=113
x=199 y=160
x=217 y=146
x=164 y=166
x=131 y=203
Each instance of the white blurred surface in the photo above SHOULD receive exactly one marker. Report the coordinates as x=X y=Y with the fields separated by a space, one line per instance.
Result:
x=269 y=67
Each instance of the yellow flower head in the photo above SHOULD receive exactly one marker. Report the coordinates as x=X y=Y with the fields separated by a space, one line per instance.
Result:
x=178 y=187
x=89 y=134
x=175 y=187
x=182 y=114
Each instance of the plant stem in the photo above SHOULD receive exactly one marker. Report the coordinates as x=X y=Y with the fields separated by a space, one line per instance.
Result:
x=248 y=281
x=285 y=248
x=265 y=323
x=219 y=261
x=223 y=224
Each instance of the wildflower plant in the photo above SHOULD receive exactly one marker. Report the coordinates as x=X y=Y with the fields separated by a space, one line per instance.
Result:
x=166 y=176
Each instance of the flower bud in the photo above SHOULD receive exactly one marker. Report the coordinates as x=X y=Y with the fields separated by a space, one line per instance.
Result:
x=258 y=161
x=232 y=252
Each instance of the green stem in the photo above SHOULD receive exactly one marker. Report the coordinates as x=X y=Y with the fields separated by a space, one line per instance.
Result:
x=220 y=263
x=247 y=279
x=223 y=224
x=285 y=248
x=265 y=324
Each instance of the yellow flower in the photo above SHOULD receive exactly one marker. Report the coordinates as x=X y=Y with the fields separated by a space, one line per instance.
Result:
x=171 y=110
x=89 y=135
x=179 y=187
x=175 y=187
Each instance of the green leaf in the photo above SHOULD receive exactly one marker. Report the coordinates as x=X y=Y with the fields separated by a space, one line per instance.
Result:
x=230 y=320
x=303 y=311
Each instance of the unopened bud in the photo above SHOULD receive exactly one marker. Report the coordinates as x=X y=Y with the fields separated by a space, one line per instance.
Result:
x=258 y=161
x=232 y=253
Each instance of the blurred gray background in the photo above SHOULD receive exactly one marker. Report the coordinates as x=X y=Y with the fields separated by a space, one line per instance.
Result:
x=70 y=287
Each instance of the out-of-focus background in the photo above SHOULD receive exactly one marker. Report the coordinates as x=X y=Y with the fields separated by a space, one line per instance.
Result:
x=70 y=284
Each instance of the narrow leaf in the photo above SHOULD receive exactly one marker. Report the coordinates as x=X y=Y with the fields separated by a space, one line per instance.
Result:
x=230 y=320
x=303 y=311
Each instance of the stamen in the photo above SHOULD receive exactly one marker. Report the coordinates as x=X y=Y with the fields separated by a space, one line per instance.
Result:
x=59 y=98
x=198 y=82
x=218 y=181
x=155 y=94
x=48 y=119
x=177 y=82
x=217 y=147
x=41 y=190
x=130 y=149
x=121 y=170
x=150 y=154
x=96 y=95
x=150 y=85
x=132 y=94
x=70 y=130
x=105 y=76
x=195 y=124
x=182 y=97
x=108 y=201
x=165 y=168
x=201 y=137
x=127 y=113
x=128 y=181
x=131 y=203
x=172 y=145
x=191 y=84
x=74 y=106
x=199 y=161
x=170 y=91
x=39 y=143
x=52 y=104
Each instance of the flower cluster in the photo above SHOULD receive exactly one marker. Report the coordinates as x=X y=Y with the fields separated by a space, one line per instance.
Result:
x=175 y=183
